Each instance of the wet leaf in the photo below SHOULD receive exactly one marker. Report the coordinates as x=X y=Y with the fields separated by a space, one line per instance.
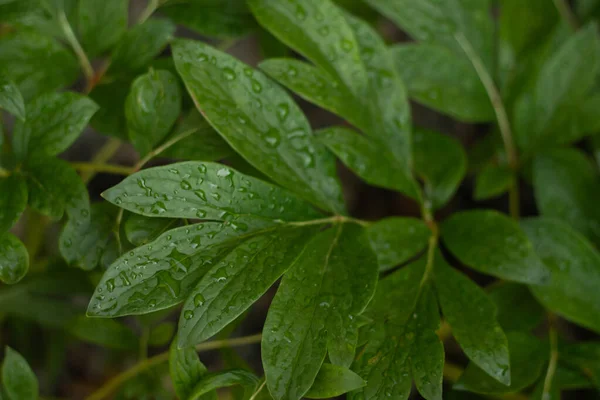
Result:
x=54 y=122
x=575 y=266
x=260 y=121
x=186 y=370
x=151 y=108
x=472 y=316
x=13 y=200
x=206 y=191
x=210 y=382
x=55 y=187
x=11 y=99
x=492 y=243
x=101 y=24
x=315 y=309
x=238 y=279
x=333 y=380
x=442 y=177
x=441 y=79
x=18 y=380
x=517 y=309
x=528 y=357
x=395 y=240
x=492 y=181
x=14 y=259
x=567 y=187
x=140 y=230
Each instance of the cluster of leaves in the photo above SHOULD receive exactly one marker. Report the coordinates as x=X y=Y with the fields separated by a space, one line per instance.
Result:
x=363 y=307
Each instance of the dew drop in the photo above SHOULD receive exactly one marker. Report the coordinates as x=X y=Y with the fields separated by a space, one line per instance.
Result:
x=185 y=185
x=198 y=300
x=200 y=193
x=188 y=315
x=200 y=213
x=110 y=285
x=229 y=74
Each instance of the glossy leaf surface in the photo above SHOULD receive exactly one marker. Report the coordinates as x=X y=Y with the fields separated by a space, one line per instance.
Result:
x=315 y=309
x=206 y=191
x=13 y=200
x=18 y=380
x=575 y=265
x=492 y=243
x=11 y=99
x=14 y=259
x=261 y=122
x=333 y=380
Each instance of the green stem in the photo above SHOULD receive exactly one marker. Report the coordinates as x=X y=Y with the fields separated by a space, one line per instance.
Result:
x=501 y=116
x=107 y=151
x=163 y=148
x=553 y=336
x=566 y=13
x=114 y=383
x=148 y=11
x=260 y=388
x=330 y=220
x=108 y=168
x=143 y=350
x=86 y=66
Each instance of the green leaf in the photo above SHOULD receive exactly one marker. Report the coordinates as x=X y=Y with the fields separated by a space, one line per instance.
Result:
x=54 y=122
x=585 y=356
x=566 y=187
x=139 y=45
x=103 y=332
x=215 y=18
x=443 y=80
x=261 y=123
x=439 y=22
x=319 y=31
x=161 y=334
x=575 y=266
x=492 y=181
x=395 y=240
x=110 y=117
x=442 y=176
x=185 y=369
x=527 y=359
x=225 y=291
x=14 y=259
x=210 y=382
x=207 y=191
x=19 y=381
x=333 y=380
x=517 y=309
x=401 y=343
x=472 y=316
x=88 y=243
x=367 y=159
x=140 y=230
x=13 y=200
x=151 y=108
x=492 y=243
x=101 y=24
x=11 y=99
x=36 y=63
x=204 y=143
x=55 y=187
x=315 y=309
x=565 y=79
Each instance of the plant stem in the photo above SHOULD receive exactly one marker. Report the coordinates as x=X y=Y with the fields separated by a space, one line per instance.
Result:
x=86 y=66
x=260 y=388
x=106 y=152
x=148 y=11
x=553 y=336
x=566 y=13
x=501 y=116
x=163 y=148
x=114 y=383
x=108 y=168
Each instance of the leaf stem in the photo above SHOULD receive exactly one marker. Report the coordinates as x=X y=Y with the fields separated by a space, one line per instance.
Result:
x=501 y=116
x=148 y=11
x=86 y=66
x=260 y=388
x=163 y=147
x=99 y=167
x=328 y=220
x=553 y=336
x=106 y=152
x=114 y=383
x=566 y=13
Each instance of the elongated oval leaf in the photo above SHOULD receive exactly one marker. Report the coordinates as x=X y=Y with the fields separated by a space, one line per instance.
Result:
x=18 y=380
x=140 y=230
x=54 y=121
x=151 y=108
x=101 y=24
x=333 y=380
x=575 y=265
x=493 y=180
x=260 y=121
x=396 y=240
x=206 y=191
x=472 y=316
x=237 y=280
x=567 y=187
x=492 y=243
x=14 y=259
x=315 y=310
x=185 y=369
x=11 y=99
x=518 y=310
x=13 y=200
x=224 y=379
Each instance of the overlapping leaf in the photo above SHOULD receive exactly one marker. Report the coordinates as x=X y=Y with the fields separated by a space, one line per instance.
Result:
x=13 y=200
x=333 y=380
x=11 y=99
x=14 y=259
x=140 y=230
x=18 y=380
x=315 y=309
x=186 y=370
x=260 y=121
x=517 y=309
x=101 y=24
x=493 y=180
